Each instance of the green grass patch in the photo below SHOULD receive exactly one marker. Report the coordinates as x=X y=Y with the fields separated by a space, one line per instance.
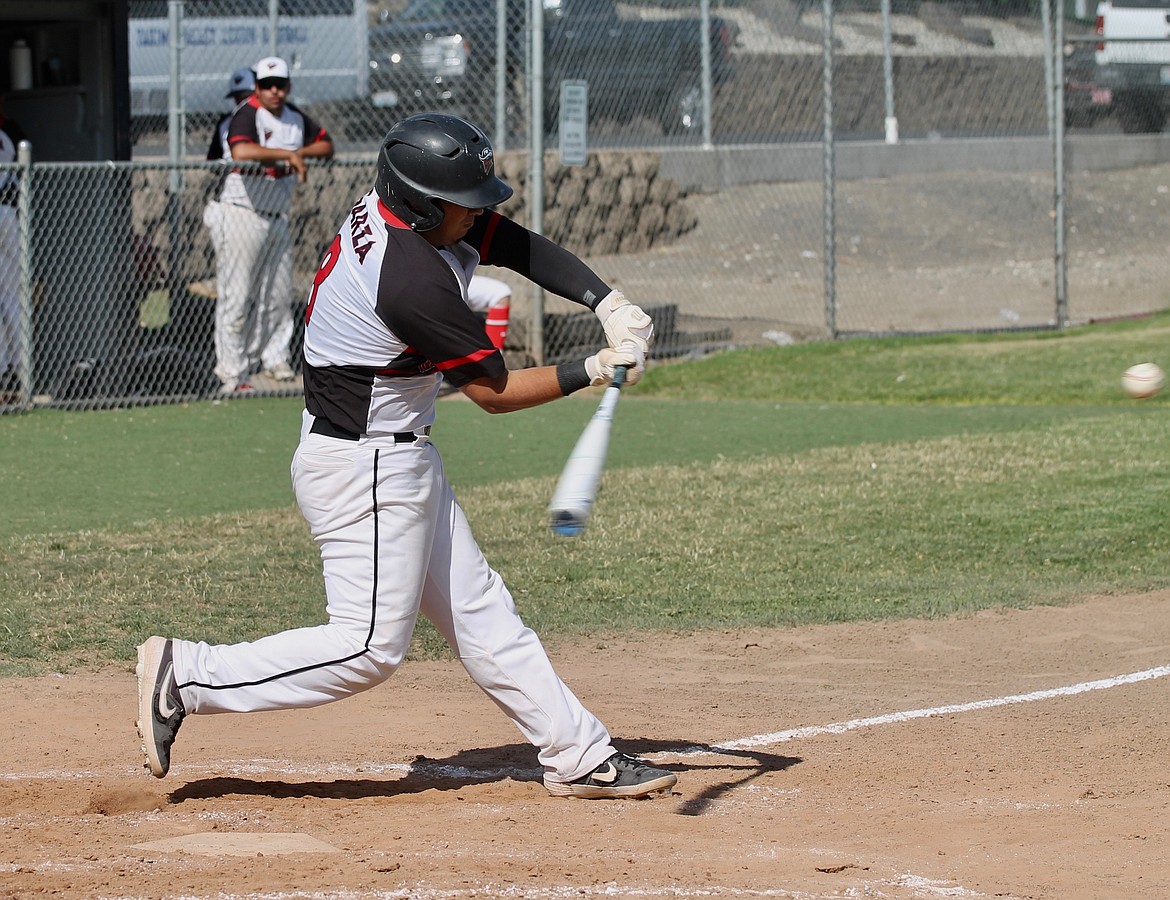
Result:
x=732 y=509
x=1081 y=365
x=80 y=471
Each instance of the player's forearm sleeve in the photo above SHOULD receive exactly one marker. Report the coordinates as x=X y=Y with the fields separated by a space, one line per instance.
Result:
x=502 y=242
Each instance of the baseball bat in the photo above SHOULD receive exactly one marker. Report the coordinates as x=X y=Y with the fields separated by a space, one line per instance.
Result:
x=576 y=489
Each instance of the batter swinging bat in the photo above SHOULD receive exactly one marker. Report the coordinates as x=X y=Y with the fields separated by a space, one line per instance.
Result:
x=572 y=501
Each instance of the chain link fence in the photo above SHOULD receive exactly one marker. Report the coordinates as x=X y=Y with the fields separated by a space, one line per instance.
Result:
x=689 y=167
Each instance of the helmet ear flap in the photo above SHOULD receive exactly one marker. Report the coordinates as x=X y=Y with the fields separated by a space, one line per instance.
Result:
x=428 y=218
x=406 y=199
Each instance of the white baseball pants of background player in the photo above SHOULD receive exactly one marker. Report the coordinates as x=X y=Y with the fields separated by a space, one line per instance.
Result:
x=9 y=289
x=394 y=542
x=253 y=285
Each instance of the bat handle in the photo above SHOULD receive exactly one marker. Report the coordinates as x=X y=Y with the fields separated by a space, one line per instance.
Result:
x=619 y=376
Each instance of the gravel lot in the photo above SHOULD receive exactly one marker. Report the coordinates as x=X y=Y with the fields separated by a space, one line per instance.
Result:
x=953 y=251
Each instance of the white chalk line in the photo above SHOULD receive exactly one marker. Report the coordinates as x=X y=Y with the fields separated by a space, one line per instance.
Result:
x=792 y=734
x=233 y=768
x=920 y=885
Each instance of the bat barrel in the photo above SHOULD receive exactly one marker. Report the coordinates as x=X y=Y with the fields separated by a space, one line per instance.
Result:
x=572 y=501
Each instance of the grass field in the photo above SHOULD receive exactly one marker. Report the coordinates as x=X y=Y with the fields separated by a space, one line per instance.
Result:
x=813 y=483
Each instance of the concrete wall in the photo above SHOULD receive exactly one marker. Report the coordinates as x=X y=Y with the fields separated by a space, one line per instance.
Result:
x=709 y=170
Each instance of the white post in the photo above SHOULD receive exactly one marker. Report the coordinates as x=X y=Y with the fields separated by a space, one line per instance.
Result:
x=177 y=116
x=500 y=135
x=1048 y=45
x=24 y=208
x=1058 y=150
x=828 y=147
x=705 y=58
x=888 y=71
x=273 y=25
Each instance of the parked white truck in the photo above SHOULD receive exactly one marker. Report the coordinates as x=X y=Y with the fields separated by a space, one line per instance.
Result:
x=324 y=42
x=1133 y=61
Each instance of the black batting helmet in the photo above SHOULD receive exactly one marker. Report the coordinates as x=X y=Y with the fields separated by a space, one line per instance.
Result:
x=432 y=157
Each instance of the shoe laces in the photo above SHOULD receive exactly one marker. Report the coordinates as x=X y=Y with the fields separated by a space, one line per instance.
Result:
x=637 y=766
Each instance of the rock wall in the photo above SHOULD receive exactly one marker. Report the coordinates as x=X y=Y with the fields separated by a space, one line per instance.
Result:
x=616 y=203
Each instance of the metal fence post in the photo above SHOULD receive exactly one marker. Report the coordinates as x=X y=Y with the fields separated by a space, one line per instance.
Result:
x=501 y=105
x=177 y=146
x=888 y=73
x=24 y=208
x=705 y=57
x=176 y=115
x=1047 y=49
x=830 y=264
x=273 y=27
x=1058 y=126
x=536 y=168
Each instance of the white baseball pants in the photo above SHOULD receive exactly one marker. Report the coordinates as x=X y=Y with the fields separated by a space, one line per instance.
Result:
x=253 y=285
x=394 y=542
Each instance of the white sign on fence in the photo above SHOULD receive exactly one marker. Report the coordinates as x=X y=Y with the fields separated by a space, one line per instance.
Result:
x=574 y=122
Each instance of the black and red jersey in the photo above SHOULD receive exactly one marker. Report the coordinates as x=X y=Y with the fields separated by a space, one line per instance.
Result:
x=387 y=317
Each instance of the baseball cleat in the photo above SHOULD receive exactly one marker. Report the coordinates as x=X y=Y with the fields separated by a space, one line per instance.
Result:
x=282 y=371
x=160 y=709
x=236 y=389
x=619 y=776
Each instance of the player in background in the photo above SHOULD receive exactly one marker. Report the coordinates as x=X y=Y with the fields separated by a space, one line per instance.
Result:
x=250 y=230
x=493 y=298
x=387 y=320
x=11 y=134
x=241 y=86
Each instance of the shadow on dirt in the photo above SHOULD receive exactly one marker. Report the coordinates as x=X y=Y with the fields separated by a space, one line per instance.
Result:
x=741 y=766
x=510 y=761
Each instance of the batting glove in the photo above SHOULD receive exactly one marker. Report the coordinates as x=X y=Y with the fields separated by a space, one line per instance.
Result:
x=600 y=367
x=623 y=322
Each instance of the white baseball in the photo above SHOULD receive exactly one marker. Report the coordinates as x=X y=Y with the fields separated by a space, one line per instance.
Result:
x=1143 y=380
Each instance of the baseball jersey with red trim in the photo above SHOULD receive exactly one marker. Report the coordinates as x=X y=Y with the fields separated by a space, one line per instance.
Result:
x=270 y=192
x=387 y=320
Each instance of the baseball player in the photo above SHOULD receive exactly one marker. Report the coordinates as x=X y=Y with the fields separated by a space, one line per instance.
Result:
x=11 y=134
x=241 y=86
x=493 y=298
x=250 y=230
x=387 y=319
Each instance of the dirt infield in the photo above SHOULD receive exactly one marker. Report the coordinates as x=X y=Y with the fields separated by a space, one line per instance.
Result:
x=824 y=786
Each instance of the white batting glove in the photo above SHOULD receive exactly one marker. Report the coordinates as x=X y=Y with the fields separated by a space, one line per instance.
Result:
x=623 y=322
x=600 y=367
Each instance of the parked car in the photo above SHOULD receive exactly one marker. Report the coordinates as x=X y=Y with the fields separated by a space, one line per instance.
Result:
x=421 y=59
x=1133 y=61
x=442 y=54
x=1086 y=100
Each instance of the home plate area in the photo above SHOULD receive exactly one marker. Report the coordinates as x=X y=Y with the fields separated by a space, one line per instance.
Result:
x=1008 y=753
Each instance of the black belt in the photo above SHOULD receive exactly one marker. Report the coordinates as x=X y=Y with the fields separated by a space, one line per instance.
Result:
x=328 y=429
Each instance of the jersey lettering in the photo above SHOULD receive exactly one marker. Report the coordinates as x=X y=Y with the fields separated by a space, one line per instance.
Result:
x=359 y=227
x=332 y=255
